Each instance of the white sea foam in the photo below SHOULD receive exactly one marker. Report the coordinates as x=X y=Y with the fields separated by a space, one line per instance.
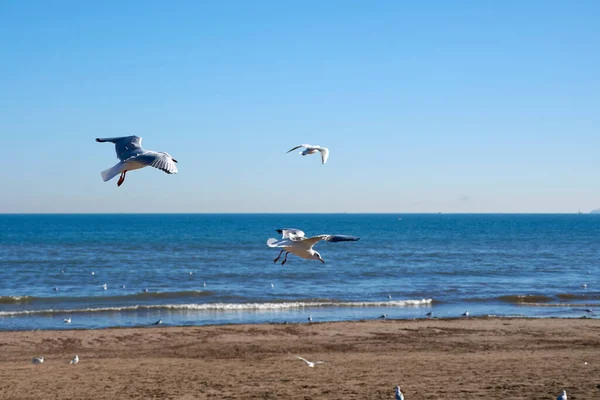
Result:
x=230 y=307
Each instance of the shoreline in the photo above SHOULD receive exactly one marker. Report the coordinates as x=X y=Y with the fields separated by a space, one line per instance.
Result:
x=479 y=357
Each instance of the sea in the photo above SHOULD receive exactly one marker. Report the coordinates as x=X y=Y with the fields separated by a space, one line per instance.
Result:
x=211 y=269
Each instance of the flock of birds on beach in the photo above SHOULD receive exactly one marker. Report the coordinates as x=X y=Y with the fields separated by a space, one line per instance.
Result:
x=132 y=156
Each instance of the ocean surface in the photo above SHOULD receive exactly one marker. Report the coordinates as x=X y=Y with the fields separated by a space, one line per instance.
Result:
x=217 y=269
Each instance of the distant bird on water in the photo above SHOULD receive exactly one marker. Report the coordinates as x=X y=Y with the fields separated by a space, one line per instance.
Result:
x=75 y=360
x=67 y=320
x=429 y=314
x=133 y=156
x=38 y=360
x=158 y=322
x=309 y=318
x=383 y=316
x=399 y=395
x=465 y=314
x=563 y=396
x=310 y=149
x=293 y=241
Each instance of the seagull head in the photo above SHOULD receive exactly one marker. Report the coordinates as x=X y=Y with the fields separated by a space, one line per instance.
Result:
x=317 y=256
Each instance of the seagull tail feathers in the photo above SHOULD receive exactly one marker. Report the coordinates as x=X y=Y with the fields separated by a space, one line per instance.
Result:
x=110 y=173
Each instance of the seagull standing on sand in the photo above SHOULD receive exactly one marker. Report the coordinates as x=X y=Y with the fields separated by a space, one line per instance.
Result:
x=399 y=395
x=563 y=396
x=310 y=363
x=133 y=156
x=310 y=149
x=75 y=360
x=38 y=360
x=293 y=241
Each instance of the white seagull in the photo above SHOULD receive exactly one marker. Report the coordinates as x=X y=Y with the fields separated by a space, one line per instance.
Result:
x=67 y=320
x=158 y=322
x=133 y=156
x=293 y=241
x=399 y=395
x=310 y=149
x=75 y=360
x=310 y=363
x=465 y=314
x=38 y=360
x=563 y=396
x=105 y=286
x=309 y=318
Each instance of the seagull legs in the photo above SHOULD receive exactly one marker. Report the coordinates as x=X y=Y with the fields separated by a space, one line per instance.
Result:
x=277 y=259
x=285 y=259
x=121 y=178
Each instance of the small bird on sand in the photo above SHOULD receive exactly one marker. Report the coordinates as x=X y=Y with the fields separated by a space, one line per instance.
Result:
x=310 y=149
x=132 y=156
x=310 y=363
x=75 y=360
x=563 y=396
x=38 y=360
x=399 y=395
x=67 y=320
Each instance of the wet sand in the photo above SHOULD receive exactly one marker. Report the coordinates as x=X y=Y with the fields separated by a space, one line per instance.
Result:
x=430 y=359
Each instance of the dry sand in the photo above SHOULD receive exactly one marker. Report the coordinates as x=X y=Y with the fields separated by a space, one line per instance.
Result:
x=430 y=359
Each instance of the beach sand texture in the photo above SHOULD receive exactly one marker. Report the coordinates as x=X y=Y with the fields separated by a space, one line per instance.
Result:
x=430 y=359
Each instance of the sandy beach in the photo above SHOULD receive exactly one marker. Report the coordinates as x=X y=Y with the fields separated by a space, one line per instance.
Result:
x=430 y=359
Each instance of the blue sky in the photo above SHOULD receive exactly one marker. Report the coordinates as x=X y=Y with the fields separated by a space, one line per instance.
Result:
x=453 y=106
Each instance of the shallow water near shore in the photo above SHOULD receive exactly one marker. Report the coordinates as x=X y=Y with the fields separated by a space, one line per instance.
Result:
x=216 y=268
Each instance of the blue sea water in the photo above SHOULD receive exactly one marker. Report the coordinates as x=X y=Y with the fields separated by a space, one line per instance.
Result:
x=216 y=268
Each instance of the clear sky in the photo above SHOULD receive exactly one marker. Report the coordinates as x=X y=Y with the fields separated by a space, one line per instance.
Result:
x=426 y=106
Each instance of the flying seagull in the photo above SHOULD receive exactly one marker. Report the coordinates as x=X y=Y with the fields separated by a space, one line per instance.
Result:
x=310 y=149
x=563 y=396
x=399 y=395
x=310 y=363
x=75 y=360
x=133 y=156
x=293 y=241
x=38 y=360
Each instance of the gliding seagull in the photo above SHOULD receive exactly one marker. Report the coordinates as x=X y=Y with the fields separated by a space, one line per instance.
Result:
x=310 y=149
x=133 y=156
x=310 y=363
x=293 y=241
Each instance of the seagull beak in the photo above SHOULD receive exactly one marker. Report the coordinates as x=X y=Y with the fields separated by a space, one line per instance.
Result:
x=174 y=160
x=323 y=261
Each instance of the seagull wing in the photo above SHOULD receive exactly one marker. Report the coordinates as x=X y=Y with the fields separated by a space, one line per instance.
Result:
x=324 y=153
x=291 y=233
x=125 y=146
x=295 y=148
x=310 y=242
x=304 y=359
x=154 y=159
x=272 y=242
